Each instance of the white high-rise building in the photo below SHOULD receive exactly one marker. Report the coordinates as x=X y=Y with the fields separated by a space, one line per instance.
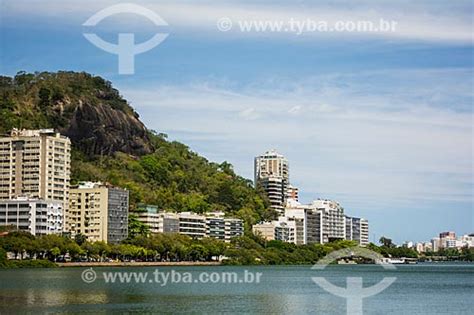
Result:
x=357 y=229
x=35 y=216
x=271 y=171
x=292 y=193
x=308 y=222
x=35 y=164
x=333 y=218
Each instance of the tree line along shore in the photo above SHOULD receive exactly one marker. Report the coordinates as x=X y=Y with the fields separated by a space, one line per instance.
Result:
x=20 y=249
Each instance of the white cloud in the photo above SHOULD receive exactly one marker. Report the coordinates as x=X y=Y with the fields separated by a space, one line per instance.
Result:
x=249 y=114
x=415 y=21
x=375 y=146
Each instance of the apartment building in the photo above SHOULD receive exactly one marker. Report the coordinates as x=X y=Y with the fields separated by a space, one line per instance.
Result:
x=357 y=229
x=233 y=228
x=333 y=219
x=192 y=224
x=265 y=230
x=308 y=222
x=98 y=211
x=285 y=230
x=219 y=227
x=35 y=164
x=213 y=224
x=35 y=216
x=271 y=172
x=292 y=193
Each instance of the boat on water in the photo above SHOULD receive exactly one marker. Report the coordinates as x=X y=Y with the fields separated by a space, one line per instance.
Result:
x=396 y=261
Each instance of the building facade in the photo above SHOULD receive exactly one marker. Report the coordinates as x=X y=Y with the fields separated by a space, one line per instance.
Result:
x=219 y=227
x=285 y=230
x=292 y=193
x=159 y=222
x=98 y=211
x=35 y=216
x=271 y=172
x=35 y=164
x=357 y=229
x=213 y=224
x=192 y=224
x=265 y=230
x=333 y=219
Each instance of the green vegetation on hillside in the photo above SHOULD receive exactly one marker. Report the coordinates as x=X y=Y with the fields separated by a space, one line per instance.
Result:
x=47 y=100
x=176 y=179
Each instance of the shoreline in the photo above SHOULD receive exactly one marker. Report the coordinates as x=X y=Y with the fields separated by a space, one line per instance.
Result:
x=138 y=264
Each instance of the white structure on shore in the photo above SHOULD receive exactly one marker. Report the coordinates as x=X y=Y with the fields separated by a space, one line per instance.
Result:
x=35 y=164
x=212 y=224
x=357 y=229
x=36 y=216
x=320 y=222
x=445 y=240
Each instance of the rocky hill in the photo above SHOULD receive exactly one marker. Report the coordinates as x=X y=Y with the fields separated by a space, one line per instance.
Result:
x=85 y=108
x=111 y=144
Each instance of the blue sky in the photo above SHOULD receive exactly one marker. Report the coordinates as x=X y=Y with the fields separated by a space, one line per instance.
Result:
x=381 y=122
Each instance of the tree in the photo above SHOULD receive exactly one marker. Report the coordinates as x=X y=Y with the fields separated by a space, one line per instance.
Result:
x=387 y=242
x=55 y=252
x=136 y=227
x=74 y=250
x=80 y=239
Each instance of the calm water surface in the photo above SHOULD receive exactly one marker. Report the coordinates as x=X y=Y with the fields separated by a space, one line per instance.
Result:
x=419 y=289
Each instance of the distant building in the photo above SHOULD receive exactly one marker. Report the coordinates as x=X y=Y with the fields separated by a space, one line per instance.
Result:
x=98 y=211
x=233 y=228
x=285 y=230
x=169 y=223
x=319 y=222
x=36 y=216
x=292 y=193
x=333 y=218
x=436 y=244
x=428 y=247
x=219 y=227
x=420 y=247
x=192 y=224
x=448 y=235
x=467 y=240
x=265 y=229
x=35 y=164
x=159 y=222
x=213 y=224
x=271 y=171
x=357 y=229
x=308 y=222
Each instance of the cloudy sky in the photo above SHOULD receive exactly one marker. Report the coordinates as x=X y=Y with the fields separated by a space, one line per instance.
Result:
x=380 y=121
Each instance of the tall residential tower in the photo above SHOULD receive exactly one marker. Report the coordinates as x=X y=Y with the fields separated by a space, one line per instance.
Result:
x=272 y=174
x=35 y=164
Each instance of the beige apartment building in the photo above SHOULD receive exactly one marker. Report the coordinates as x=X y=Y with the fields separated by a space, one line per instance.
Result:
x=35 y=164
x=98 y=211
x=265 y=230
x=271 y=172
